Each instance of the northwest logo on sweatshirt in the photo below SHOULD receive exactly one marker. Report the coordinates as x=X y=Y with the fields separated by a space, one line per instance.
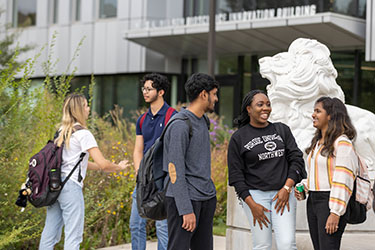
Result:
x=269 y=144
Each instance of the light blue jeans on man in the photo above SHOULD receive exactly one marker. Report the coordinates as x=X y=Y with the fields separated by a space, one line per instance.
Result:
x=284 y=226
x=138 y=229
x=68 y=211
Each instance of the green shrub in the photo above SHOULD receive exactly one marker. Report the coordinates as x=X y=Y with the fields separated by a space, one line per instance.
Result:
x=28 y=118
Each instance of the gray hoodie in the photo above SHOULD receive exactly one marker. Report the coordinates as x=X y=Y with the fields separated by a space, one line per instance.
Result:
x=191 y=159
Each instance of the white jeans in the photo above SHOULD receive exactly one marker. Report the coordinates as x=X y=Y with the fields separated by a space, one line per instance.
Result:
x=68 y=211
x=284 y=225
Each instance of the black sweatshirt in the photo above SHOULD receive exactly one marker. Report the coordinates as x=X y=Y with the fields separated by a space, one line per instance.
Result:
x=263 y=159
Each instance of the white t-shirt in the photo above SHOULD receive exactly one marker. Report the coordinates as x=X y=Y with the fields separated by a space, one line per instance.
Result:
x=80 y=141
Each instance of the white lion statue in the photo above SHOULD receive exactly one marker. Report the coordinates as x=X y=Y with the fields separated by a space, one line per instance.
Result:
x=298 y=78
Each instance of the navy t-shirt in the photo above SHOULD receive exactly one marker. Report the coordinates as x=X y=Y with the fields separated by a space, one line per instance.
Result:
x=152 y=126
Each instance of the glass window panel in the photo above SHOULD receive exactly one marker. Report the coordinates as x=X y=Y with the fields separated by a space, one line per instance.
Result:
x=362 y=8
x=228 y=65
x=107 y=88
x=201 y=8
x=78 y=10
x=344 y=64
x=226 y=104
x=24 y=13
x=246 y=83
x=196 y=7
x=80 y=84
x=349 y=7
x=202 y=66
x=188 y=8
x=367 y=86
x=55 y=11
x=108 y=8
x=346 y=7
x=127 y=91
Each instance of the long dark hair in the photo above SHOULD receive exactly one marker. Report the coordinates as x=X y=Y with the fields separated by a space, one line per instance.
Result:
x=338 y=124
x=244 y=118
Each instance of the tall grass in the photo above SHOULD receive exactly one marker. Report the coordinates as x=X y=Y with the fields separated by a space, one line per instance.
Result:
x=29 y=118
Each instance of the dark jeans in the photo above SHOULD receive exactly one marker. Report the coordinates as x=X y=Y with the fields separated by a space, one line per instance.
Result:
x=317 y=215
x=201 y=238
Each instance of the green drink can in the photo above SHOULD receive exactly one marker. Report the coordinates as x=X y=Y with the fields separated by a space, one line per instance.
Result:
x=301 y=189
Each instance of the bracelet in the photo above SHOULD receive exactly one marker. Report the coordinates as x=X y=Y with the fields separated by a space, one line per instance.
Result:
x=288 y=189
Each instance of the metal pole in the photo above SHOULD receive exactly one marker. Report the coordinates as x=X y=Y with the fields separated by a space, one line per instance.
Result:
x=211 y=40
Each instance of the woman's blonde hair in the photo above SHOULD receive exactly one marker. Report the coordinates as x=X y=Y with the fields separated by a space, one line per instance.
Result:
x=73 y=112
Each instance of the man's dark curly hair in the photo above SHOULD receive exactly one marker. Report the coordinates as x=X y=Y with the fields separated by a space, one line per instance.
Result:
x=159 y=82
x=197 y=83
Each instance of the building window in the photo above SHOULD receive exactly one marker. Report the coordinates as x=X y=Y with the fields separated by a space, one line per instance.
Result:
x=24 y=13
x=107 y=8
x=77 y=10
x=55 y=11
x=347 y=7
x=196 y=7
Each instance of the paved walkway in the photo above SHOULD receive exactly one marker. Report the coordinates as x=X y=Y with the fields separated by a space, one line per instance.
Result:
x=219 y=244
x=350 y=241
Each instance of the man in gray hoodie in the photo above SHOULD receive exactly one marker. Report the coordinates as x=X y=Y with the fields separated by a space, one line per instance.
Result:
x=191 y=193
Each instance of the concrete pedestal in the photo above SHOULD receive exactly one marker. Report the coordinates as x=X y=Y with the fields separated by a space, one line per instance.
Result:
x=238 y=234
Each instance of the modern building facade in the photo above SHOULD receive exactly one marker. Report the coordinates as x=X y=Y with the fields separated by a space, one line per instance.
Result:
x=125 y=39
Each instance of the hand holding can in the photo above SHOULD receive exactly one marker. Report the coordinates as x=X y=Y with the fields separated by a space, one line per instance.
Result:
x=300 y=194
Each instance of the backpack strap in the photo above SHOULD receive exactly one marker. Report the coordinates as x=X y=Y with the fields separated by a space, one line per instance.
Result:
x=186 y=119
x=75 y=167
x=208 y=123
x=168 y=115
x=75 y=129
x=142 y=120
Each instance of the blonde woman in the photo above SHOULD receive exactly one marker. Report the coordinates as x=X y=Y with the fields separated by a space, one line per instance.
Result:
x=68 y=210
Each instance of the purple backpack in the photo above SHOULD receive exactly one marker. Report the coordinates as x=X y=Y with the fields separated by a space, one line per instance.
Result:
x=44 y=183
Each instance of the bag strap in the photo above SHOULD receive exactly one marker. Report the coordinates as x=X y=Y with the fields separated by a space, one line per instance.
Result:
x=207 y=120
x=168 y=115
x=187 y=120
x=142 y=120
x=75 y=129
x=83 y=154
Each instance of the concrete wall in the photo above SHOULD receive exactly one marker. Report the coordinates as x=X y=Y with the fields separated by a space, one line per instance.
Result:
x=103 y=50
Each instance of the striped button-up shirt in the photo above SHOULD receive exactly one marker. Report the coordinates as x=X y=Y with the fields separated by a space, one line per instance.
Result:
x=335 y=174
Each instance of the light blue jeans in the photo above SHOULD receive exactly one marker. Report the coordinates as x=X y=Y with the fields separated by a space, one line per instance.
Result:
x=284 y=225
x=138 y=229
x=68 y=211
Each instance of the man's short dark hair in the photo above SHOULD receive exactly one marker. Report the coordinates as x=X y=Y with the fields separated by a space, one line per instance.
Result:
x=159 y=82
x=198 y=82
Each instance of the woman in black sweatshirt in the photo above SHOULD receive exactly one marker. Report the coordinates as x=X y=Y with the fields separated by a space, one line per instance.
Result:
x=264 y=164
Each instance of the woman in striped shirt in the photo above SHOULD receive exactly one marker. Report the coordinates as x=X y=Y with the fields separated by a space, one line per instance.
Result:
x=331 y=166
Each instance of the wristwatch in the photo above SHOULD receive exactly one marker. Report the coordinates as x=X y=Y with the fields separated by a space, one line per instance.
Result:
x=288 y=189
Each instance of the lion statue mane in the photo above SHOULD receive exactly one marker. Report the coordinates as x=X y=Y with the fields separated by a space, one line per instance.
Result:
x=297 y=79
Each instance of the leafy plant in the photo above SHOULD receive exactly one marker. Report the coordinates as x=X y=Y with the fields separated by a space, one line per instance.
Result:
x=29 y=117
